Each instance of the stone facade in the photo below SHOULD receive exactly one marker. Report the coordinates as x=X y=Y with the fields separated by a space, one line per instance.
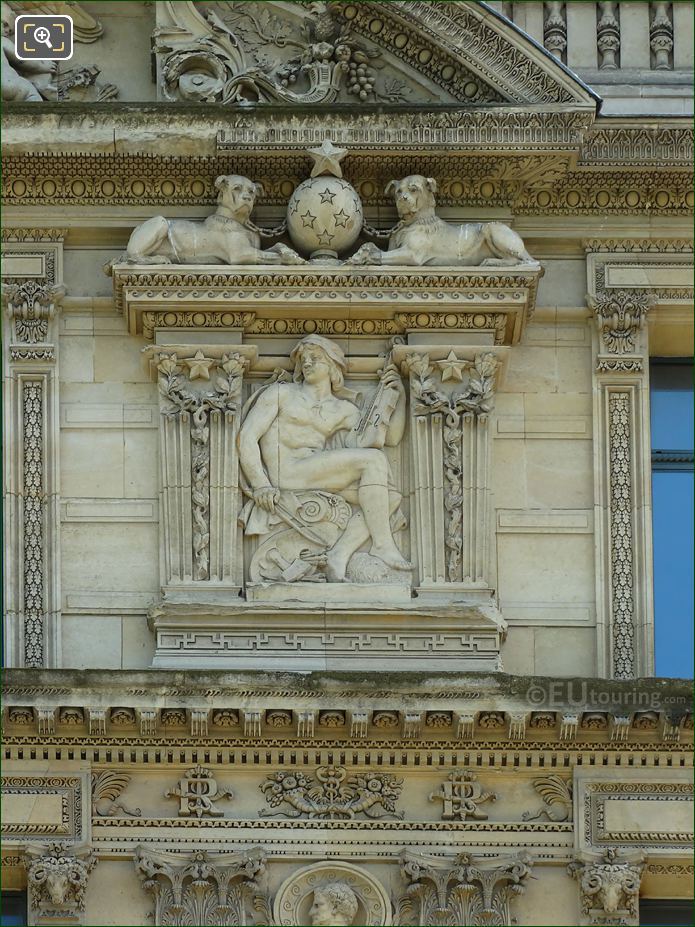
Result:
x=328 y=515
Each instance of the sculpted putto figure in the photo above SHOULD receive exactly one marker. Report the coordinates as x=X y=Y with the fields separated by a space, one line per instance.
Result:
x=421 y=237
x=226 y=237
x=311 y=435
x=335 y=905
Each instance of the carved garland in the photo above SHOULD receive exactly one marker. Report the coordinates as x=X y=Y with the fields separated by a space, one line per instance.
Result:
x=185 y=403
x=475 y=401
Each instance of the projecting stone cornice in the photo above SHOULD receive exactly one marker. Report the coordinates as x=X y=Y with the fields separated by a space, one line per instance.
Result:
x=493 y=710
x=544 y=159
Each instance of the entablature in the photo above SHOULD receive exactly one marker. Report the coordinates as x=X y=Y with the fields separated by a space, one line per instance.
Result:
x=336 y=301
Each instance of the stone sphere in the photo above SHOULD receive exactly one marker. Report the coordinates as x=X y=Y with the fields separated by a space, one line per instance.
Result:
x=324 y=214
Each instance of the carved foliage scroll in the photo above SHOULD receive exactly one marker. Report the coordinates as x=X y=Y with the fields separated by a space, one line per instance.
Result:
x=460 y=890
x=199 y=404
x=204 y=888
x=450 y=400
x=32 y=595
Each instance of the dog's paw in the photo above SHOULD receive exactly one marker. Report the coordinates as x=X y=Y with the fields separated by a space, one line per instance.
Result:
x=367 y=254
x=287 y=255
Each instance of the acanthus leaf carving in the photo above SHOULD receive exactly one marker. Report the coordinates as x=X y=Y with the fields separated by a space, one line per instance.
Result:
x=460 y=890
x=106 y=789
x=206 y=889
x=195 y=404
x=608 y=34
x=31 y=305
x=332 y=795
x=474 y=401
x=620 y=315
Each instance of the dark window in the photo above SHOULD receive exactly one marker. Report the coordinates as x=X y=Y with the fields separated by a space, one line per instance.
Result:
x=672 y=500
x=13 y=909
x=665 y=913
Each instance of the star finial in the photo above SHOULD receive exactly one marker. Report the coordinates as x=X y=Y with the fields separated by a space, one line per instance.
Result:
x=327 y=159
x=451 y=368
x=199 y=366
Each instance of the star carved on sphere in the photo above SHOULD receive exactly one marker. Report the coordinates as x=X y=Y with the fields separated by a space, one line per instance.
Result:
x=199 y=366
x=308 y=220
x=325 y=238
x=327 y=159
x=327 y=196
x=451 y=368
x=341 y=218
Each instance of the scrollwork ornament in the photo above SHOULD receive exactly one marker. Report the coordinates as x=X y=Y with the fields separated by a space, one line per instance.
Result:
x=609 y=885
x=620 y=315
x=461 y=890
x=206 y=889
x=31 y=306
x=475 y=400
x=332 y=795
x=198 y=404
x=57 y=876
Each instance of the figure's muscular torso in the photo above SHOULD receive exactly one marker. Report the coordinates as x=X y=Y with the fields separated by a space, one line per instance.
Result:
x=301 y=429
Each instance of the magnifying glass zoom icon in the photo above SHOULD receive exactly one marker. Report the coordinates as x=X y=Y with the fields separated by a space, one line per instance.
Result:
x=43 y=35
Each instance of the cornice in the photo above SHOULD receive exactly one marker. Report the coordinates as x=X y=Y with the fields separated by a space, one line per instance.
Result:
x=491 y=710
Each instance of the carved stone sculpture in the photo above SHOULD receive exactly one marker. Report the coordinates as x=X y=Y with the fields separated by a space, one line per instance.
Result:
x=556 y=792
x=609 y=884
x=207 y=889
x=23 y=81
x=421 y=237
x=332 y=794
x=254 y=52
x=33 y=81
x=317 y=477
x=57 y=875
x=324 y=214
x=226 y=237
x=335 y=905
x=460 y=890
x=334 y=894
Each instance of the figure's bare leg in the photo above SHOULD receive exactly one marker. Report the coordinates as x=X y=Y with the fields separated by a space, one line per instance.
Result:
x=374 y=501
x=354 y=536
x=335 y=471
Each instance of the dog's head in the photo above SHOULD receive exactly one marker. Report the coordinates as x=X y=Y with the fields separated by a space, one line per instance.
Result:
x=413 y=195
x=238 y=194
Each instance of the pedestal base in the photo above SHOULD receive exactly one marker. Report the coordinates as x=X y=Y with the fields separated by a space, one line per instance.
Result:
x=330 y=594
x=301 y=638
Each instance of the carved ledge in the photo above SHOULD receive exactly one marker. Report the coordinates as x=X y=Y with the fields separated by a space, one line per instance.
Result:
x=284 y=634
x=336 y=301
